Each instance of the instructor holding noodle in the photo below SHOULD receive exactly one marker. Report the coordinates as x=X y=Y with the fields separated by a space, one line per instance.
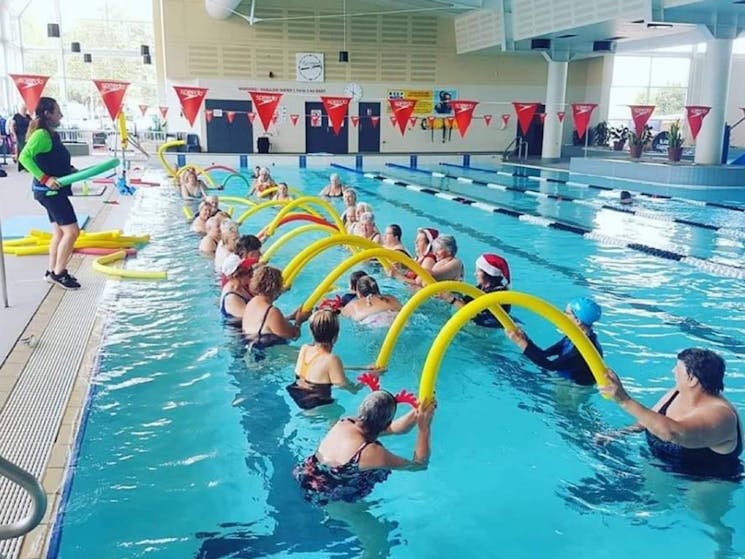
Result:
x=47 y=159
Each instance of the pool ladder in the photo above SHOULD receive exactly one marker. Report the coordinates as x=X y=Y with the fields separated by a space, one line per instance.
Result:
x=522 y=149
x=38 y=500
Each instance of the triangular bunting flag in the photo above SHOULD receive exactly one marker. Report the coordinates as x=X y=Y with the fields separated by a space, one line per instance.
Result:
x=524 y=112
x=402 y=109
x=355 y=119
x=375 y=120
x=230 y=115
x=251 y=117
x=30 y=87
x=208 y=114
x=561 y=115
x=463 y=114
x=191 y=100
x=487 y=119
x=294 y=118
x=336 y=109
x=112 y=94
x=265 y=104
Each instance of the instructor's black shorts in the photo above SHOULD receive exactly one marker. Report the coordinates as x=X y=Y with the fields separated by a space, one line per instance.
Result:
x=59 y=208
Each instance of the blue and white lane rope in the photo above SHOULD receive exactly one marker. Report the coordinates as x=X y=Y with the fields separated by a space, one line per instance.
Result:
x=597 y=187
x=727 y=232
x=700 y=263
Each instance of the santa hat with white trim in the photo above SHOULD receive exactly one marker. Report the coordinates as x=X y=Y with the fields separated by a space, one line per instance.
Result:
x=494 y=265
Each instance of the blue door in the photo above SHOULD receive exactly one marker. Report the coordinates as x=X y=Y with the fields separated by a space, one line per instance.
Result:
x=321 y=138
x=226 y=137
x=367 y=134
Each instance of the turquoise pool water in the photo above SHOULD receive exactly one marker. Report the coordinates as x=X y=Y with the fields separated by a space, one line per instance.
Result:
x=187 y=451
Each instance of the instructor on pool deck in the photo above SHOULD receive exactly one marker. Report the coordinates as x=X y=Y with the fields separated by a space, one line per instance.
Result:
x=47 y=159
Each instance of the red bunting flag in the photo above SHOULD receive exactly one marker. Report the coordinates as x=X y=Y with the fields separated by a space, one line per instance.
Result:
x=315 y=120
x=505 y=121
x=450 y=121
x=208 y=114
x=375 y=120
x=230 y=115
x=696 y=114
x=431 y=121
x=251 y=117
x=640 y=115
x=412 y=120
x=30 y=87
x=581 y=113
x=463 y=114
x=487 y=119
x=265 y=104
x=561 y=115
x=294 y=118
x=163 y=111
x=336 y=109
x=112 y=94
x=354 y=119
x=402 y=109
x=524 y=112
x=143 y=109
x=542 y=117
x=191 y=100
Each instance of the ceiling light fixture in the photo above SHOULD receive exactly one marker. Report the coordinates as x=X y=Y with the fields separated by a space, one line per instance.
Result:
x=344 y=54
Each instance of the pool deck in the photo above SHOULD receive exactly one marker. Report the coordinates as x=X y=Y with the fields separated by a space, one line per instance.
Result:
x=30 y=355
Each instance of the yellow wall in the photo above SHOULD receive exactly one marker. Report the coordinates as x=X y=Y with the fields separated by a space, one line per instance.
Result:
x=386 y=52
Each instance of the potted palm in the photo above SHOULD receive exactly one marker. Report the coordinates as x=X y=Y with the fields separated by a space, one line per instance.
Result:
x=637 y=142
x=619 y=135
x=674 y=142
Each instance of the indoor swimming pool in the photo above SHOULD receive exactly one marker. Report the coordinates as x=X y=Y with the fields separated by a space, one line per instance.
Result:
x=187 y=448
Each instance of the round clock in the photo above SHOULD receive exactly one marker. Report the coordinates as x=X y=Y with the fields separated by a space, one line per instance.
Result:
x=310 y=67
x=353 y=90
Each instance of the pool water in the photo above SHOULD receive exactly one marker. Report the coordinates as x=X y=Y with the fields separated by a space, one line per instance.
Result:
x=188 y=448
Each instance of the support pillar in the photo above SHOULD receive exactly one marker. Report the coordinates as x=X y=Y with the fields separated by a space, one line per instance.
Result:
x=555 y=96
x=715 y=84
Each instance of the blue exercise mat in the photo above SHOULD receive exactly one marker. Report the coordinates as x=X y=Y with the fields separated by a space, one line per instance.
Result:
x=19 y=226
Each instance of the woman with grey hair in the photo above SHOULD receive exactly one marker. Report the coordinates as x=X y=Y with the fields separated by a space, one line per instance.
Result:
x=334 y=189
x=447 y=266
x=350 y=460
x=228 y=243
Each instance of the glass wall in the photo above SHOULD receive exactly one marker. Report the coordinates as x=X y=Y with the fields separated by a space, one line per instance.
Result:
x=112 y=32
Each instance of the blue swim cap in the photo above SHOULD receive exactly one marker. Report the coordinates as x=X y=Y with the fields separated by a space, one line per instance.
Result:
x=585 y=309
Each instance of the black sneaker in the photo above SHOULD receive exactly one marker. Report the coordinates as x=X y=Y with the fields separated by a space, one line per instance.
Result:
x=48 y=276
x=66 y=273
x=65 y=281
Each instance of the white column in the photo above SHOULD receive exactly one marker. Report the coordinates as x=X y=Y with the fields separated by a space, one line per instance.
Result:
x=555 y=95
x=715 y=84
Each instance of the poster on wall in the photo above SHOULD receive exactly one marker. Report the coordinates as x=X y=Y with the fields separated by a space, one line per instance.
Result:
x=423 y=98
x=315 y=118
x=441 y=100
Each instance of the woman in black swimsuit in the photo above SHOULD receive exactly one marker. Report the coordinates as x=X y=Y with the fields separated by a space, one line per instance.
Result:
x=263 y=323
x=693 y=428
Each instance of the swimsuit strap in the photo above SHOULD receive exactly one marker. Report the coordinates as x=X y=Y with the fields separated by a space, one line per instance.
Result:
x=663 y=409
x=356 y=456
x=302 y=373
x=263 y=321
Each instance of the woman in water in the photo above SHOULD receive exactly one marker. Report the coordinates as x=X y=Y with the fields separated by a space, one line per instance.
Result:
x=423 y=255
x=492 y=275
x=692 y=428
x=334 y=189
x=263 y=323
x=370 y=307
x=350 y=460
x=235 y=293
x=349 y=216
x=569 y=363
x=317 y=368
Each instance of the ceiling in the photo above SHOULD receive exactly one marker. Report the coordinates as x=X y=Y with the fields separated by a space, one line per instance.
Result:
x=685 y=23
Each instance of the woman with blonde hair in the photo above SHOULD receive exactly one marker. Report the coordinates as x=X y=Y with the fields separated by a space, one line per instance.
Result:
x=318 y=369
x=228 y=243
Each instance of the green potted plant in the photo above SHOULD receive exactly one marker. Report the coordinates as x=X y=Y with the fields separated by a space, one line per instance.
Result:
x=674 y=142
x=619 y=135
x=637 y=142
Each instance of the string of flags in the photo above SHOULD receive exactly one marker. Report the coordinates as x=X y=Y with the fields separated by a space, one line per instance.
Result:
x=31 y=87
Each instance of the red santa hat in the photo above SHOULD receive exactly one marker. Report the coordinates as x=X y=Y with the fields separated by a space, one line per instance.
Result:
x=493 y=265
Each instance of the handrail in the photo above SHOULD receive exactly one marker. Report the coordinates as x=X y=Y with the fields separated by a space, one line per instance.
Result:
x=21 y=477
x=506 y=152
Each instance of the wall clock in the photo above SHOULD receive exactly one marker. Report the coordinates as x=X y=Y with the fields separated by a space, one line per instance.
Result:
x=353 y=90
x=309 y=67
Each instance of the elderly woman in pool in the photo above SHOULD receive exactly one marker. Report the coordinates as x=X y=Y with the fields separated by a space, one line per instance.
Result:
x=423 y=254
x=190 y=185
x=350 y=460
x=235 y=293
x=447 y=266
x=206 y=211
x=693 y=428
x=370 y=307
x=228 y=243
x=334 y=189
x=349 y=216
x=262 y=183
x=367 y=229
x=263 y=323
x=283 y=192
